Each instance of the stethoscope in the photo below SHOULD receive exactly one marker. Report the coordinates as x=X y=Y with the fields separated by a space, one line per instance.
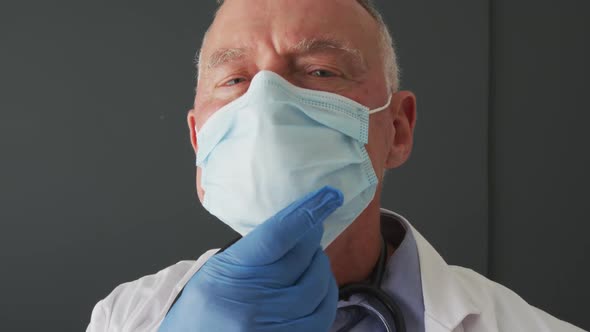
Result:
x=371 y=287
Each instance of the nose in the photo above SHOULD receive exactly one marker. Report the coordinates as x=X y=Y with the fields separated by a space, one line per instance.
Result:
x=280 y=64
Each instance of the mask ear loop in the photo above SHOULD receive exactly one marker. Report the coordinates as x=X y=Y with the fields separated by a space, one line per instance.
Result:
x=382 y=107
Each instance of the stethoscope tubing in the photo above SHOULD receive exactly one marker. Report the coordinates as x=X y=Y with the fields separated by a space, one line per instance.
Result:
x=373 y=288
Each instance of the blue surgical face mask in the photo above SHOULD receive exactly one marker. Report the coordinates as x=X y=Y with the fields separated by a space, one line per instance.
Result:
x=278 y=142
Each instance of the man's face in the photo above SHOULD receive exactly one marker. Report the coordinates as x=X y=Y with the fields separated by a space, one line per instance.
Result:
x=322 y=45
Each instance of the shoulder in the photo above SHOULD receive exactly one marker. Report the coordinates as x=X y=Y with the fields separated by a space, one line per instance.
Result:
x=460 y=299
x=140 y=305
x=502 y=308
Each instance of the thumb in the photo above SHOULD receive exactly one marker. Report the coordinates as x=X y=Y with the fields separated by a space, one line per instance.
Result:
x=272 y=239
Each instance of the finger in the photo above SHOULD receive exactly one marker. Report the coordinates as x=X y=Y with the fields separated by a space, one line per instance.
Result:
x=323 y=317
x=282 y=273
x=305 y=296
x=271 y=240
x=286 y=271
x=315 y=283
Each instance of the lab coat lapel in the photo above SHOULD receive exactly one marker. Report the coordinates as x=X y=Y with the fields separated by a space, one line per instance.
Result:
x=446 y=301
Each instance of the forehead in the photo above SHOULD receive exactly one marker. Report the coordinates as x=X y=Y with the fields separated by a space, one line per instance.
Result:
x=280 y=24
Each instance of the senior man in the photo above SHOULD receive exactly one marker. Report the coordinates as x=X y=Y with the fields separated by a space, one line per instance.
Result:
x=296 y=118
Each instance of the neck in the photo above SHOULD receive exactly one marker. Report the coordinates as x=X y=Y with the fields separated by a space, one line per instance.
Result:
x=355 y=252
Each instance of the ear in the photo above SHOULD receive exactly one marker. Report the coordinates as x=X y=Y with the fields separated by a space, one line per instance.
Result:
x=191 y=121
x=403 y=111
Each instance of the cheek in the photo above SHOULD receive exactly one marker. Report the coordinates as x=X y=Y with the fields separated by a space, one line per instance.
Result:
x=202 y=114
x=201 y=117
x=377 y=147
x=200 y=191
x=205 y=108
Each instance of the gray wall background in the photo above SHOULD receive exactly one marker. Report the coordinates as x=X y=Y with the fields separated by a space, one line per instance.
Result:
x=97 y=175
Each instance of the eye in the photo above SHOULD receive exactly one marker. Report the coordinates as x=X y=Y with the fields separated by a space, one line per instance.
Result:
x=322 y=73
x=234 y=81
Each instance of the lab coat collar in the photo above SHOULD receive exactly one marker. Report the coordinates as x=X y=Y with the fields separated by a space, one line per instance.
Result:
x=447 y=302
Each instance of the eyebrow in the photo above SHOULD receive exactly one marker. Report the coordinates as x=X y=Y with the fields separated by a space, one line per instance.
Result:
x=322 y=44
x=225 y=55
x=304 y=47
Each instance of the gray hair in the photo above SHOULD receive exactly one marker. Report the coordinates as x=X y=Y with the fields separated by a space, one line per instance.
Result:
x=392 y=71
x=387 y=47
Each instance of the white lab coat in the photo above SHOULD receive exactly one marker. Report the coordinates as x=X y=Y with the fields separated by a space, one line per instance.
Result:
x=455 y=299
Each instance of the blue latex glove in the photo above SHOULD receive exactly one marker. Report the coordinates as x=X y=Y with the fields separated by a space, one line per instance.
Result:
x=276 y=278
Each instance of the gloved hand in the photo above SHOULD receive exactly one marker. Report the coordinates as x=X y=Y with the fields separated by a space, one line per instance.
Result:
x=276 y=278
